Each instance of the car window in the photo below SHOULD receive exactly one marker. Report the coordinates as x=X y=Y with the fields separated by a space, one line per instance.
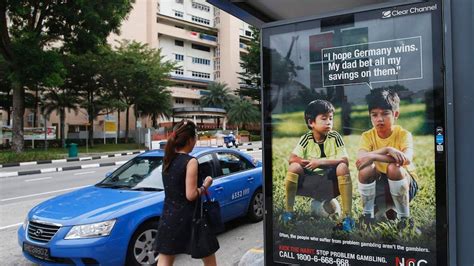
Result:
x=232 y=163
x=138 y=172
x=206 y=167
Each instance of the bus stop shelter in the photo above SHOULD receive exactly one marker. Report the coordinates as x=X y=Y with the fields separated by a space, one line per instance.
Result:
x=454 y=62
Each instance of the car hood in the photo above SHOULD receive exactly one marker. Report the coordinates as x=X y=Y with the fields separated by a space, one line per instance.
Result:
x=93 y=204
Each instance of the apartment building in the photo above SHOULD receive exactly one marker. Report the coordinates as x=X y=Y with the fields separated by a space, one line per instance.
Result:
x=205 y=42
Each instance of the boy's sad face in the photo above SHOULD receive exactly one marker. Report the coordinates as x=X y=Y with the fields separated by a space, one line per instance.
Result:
x=383 y=119
x=322 y=124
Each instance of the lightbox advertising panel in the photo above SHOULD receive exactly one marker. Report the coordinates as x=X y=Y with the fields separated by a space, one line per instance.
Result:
x=355 y=168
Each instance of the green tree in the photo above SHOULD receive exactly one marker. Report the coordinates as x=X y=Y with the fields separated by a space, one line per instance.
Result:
x=250 y=62
x=139 y=76
x=242 y=112
x=5 y=90
x=218 y=95
x=85 y=77
x=59 y=100
x=28 y=30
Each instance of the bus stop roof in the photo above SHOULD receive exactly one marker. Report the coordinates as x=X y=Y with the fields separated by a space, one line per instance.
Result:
x=259 y=12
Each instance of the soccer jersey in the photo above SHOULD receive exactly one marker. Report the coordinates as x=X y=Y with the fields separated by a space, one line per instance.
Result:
x=400 y=139
x=333 y=147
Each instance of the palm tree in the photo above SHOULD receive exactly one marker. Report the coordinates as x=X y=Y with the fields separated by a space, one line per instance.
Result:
x=157 y=103
x=243 y=112
x=217 y=96
x=60 y=99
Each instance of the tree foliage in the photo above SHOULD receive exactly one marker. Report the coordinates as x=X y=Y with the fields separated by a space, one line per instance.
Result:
x=250 y=62
x=138 y=76
x=34 y=33
x=242 y=112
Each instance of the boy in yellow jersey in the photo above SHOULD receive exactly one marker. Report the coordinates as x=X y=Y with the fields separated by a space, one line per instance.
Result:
x=319 y=165
x=386 y=156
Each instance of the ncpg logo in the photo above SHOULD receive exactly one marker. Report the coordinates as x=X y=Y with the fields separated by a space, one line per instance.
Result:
x=409 y=262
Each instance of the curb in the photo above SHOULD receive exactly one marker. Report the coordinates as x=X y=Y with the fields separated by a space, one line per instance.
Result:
x=78 y=167
x=59 y=169
x=253 y=257
x=77 y=159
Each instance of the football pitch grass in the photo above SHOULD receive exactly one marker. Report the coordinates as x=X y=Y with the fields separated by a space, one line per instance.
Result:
x=422 y=207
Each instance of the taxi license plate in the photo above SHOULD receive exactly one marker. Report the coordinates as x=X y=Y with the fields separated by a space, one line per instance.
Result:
x=37 y=252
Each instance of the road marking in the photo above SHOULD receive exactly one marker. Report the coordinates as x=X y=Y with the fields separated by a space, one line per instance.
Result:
x=85 y=173
x=37 y=179
x=8 y=226
x=39 y=194
x=256 y=250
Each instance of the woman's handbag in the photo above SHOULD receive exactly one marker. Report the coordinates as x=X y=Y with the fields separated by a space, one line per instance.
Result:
x=212 y=209
x=203 y=239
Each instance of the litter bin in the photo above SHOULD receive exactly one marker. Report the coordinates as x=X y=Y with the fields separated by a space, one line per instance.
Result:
x=72 y=150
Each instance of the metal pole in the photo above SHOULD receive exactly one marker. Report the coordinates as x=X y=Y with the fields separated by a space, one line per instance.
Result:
x=45 y=134
x=87 y=138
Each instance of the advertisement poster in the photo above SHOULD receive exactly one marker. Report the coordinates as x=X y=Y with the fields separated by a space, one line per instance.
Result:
x=354 y=139
x=30 y=133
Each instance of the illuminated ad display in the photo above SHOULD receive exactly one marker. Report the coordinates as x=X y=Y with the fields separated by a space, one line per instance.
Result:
x=354 y=139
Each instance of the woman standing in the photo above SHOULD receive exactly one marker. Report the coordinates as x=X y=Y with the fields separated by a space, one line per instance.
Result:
x=180 y=179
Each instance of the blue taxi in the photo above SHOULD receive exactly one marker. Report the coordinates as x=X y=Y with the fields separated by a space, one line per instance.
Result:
x=115 y=221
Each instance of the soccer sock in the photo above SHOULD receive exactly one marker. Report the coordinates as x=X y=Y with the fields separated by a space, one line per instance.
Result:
x=291 y=185
x=367 y=194
x=399 y=191
x=344 y=183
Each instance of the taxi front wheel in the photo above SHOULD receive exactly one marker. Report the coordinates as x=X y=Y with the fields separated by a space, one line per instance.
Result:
x=141 y=247
x=255 y=211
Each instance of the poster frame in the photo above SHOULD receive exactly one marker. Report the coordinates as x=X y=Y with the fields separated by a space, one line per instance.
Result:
x=449 y=212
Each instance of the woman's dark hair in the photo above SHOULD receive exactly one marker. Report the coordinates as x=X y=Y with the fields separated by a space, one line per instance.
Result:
x=182 y=133
x=315 y=108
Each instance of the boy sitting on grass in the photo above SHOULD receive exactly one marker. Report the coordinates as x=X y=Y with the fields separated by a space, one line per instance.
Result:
x=319 y=165
x=386 y=155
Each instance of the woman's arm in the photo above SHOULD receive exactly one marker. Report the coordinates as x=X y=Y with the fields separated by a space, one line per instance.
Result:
x=192 y=192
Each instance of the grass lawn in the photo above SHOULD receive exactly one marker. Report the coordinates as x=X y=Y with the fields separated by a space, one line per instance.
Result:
x=60 y=153
x=422 y=207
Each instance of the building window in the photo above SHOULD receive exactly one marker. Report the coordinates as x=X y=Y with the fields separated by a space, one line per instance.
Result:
x=179 y=72
x=201 y=61
x=196 y=102
x=201 y=47
x=201 y=75
x=178 y=14
x=248 y=33
x=178 y=43
x=217 y=74
x=179 y=1
x=200 y=20
x=201 y=7
x=179 y=100
x=179 y=57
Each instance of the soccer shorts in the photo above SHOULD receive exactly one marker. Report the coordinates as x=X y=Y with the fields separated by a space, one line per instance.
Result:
x=319 y=186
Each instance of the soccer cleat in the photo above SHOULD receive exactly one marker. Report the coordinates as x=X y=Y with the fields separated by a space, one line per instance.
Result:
x=409 y=223
x=287 y=217
x=348 y=224
x=366 y=219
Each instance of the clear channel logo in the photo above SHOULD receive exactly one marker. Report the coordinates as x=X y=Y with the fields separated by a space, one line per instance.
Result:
x=387 y=14
x=408 y=11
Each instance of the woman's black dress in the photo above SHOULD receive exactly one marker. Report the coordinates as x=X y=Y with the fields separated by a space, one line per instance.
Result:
x=174 y=229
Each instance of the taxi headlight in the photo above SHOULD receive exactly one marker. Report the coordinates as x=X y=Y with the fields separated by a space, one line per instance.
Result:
x=91 y=230
x=25 y=223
